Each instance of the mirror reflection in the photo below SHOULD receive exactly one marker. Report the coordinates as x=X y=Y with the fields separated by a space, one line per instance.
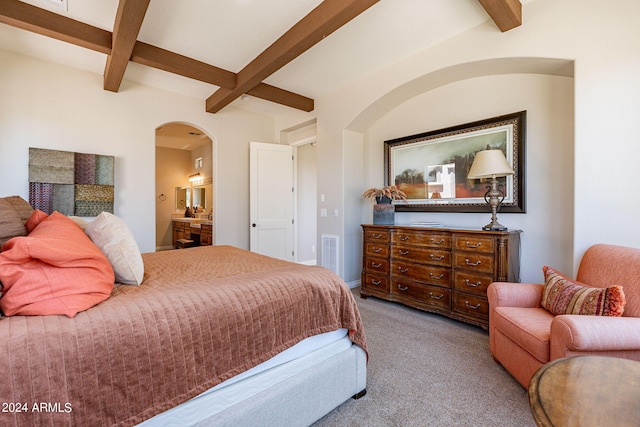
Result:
x=184 y=197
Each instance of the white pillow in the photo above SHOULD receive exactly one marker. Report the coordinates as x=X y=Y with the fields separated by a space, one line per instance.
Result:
x=80 y=221
x=111 y=235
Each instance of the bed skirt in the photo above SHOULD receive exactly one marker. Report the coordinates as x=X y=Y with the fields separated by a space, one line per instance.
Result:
x=304 y=391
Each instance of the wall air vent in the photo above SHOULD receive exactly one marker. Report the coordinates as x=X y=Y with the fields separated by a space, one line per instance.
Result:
x=330 y=252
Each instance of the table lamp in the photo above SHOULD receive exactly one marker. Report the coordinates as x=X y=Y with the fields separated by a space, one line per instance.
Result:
x=491 y=164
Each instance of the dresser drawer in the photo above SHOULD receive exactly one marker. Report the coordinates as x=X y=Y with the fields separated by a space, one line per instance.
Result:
x=470 y=242
x=373 y=282
x=421 y=255
x=430 y=239
x=424 y=273
x=431 y=295
x=470 y=305
x=376 y=236
x=472 y=261
x=376 y=265
x=376 y=249
x=470 y=282
x=440 y=270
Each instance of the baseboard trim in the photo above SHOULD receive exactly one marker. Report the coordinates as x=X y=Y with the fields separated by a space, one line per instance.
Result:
x=353 y=284
x=308 y=262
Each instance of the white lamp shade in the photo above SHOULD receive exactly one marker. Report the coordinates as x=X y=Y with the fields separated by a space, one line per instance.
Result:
x=489 y=163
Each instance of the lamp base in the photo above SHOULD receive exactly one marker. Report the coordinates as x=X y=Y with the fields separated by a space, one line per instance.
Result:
x=494 y=226
x=494 y=197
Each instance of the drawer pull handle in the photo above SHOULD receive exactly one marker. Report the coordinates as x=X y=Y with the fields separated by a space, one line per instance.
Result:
x=404 y=252
x=377 y=236
x=376 y=282
x=436 y=277
x=402 y=270
x=438 y=297
x=473 y=285
x=441 y=241
x=473 y=245
x=403 y=238
x=472 y=264
x=403 y=288
x=374 y=265
x=377 y=250
x=437 y=258
x=473 y=307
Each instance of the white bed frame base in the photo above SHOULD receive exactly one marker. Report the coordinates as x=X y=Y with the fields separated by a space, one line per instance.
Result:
x=299 y=399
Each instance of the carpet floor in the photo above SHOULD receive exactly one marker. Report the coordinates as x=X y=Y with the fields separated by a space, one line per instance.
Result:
x=427 y=370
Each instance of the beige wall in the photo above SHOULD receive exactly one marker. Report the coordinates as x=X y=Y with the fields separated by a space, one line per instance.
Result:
x=306 y=212
x=548 y=100
x=172 y=168
x=599 y=39
x=46 y=105
x=589 y=48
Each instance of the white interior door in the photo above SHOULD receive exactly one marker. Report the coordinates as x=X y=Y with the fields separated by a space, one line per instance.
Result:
x=271 y=200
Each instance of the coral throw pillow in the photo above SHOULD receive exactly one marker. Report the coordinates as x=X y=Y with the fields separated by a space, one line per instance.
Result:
x=56 y=269
x=565 y=296
x=36 y=218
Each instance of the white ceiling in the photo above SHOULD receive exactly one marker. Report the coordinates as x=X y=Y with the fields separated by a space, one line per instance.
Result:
x=230 y=33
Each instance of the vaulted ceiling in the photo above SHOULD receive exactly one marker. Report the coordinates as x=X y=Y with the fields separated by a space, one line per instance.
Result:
x=286 y=52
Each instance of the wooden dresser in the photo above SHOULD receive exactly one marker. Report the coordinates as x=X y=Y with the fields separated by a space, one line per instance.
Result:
x=441 y=270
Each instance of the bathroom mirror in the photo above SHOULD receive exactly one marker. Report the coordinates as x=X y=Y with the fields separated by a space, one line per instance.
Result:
x=199 y=197
x=183 y=197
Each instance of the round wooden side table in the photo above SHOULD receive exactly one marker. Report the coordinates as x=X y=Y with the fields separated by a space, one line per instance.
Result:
x=586 y=391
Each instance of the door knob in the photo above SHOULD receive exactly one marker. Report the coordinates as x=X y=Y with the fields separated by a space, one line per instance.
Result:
x=253 y=225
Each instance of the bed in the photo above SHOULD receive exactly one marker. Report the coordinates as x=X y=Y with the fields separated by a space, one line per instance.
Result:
x=213 y=335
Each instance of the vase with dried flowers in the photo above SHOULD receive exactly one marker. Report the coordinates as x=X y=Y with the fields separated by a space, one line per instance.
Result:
x=385 y=195
x=384 y=211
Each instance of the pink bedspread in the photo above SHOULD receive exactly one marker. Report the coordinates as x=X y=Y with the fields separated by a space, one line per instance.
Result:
x=201 y=316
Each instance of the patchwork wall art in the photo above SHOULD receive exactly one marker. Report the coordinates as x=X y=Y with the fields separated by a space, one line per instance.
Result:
x=71 y=183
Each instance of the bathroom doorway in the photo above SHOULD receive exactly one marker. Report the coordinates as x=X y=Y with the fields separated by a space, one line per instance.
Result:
x=184 y=177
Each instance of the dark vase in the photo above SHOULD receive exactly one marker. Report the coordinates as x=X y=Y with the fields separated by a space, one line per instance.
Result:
x=383 y=200
x=384 y=214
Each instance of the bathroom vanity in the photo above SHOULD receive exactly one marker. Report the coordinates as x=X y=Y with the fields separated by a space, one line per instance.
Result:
x=200 y=231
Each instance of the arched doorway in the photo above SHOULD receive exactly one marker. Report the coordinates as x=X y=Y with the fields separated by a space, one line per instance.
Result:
x=182 y=151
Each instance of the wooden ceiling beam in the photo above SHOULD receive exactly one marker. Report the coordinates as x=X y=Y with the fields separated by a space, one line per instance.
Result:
x=319 y=23
x=165 y=60
x=128 y=22
x=40 y=21
x=175 y=63
x=283 y=97
x=507 y=14
x=24 y=16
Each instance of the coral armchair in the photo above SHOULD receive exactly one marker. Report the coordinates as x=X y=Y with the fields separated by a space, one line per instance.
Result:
x=523 y=336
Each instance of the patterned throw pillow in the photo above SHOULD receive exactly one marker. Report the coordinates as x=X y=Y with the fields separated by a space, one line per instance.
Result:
x=565 y=296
